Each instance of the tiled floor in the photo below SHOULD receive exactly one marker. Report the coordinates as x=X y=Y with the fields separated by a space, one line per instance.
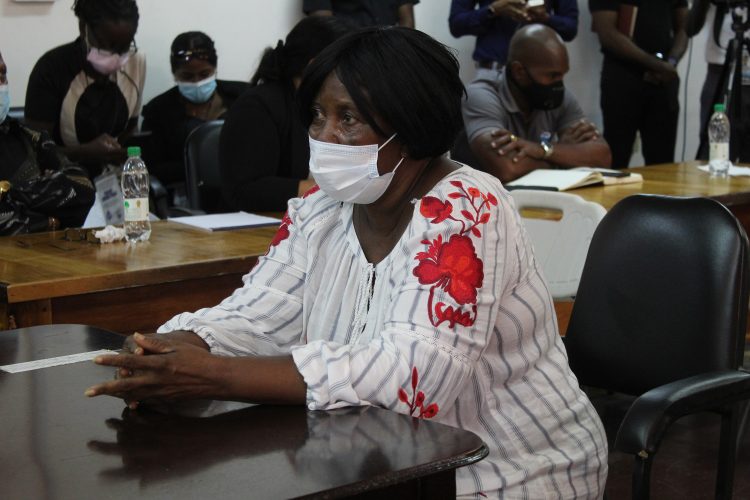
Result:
x=685 y=466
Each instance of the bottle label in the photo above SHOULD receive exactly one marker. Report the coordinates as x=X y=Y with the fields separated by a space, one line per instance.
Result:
x=136 y=209
x=718 y=151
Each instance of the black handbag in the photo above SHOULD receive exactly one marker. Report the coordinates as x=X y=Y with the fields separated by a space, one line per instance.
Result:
x=52 y=200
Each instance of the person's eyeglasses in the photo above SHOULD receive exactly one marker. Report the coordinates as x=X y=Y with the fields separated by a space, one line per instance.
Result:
x=93 y=43
x=187 y=55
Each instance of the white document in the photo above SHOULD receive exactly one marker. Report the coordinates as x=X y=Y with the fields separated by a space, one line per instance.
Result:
x=220 y=222
x=59 y=360
x=556 y=180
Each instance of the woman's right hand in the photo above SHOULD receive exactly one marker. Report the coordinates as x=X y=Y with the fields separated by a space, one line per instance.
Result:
x=168 y=370
x=130 y=346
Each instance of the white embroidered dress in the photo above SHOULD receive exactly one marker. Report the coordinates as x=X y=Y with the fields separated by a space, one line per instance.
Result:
x=455 y=324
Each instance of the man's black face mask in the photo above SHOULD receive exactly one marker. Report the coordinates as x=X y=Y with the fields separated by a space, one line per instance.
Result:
x=544 y=97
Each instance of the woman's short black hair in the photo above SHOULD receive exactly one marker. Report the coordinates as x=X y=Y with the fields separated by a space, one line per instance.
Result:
x=290 y=58
x=402 y=76
x=93 y=12
x=192 y=45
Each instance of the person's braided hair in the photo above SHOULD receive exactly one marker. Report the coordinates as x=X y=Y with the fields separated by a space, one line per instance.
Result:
x=93 y=12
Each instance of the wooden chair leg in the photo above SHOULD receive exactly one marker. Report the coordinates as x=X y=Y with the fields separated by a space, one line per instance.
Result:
x=728 y=442
x=642 y=478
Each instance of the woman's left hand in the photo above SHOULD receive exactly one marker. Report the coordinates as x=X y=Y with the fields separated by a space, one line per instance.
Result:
x=172 y=371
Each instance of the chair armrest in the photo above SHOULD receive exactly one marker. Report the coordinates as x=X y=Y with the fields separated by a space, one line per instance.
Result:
x=648 y=418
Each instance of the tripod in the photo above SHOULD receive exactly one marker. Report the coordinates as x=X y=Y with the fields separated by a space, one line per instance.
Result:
x=729 y=91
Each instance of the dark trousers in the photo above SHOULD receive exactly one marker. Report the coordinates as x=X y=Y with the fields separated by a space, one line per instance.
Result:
x=629 y=104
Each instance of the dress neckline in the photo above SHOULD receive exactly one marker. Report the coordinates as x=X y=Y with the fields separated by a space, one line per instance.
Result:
x=346 y=218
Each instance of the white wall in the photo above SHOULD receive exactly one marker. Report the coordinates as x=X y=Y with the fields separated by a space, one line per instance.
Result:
x=243 y=28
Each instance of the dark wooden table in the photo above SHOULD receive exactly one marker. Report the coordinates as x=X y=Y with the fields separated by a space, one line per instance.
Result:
x=56 y=443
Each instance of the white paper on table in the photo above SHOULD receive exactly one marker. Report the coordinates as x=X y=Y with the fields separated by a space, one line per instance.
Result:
x=733 y=170
x=56 y=361
x=219 y=222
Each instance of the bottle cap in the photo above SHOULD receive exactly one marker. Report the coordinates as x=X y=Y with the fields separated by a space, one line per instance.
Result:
x=719 y=108
x=134 y=151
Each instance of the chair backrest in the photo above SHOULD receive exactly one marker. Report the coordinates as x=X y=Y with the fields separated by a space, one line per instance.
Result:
x=202 y=174
x=560 y=243
x=663 y=295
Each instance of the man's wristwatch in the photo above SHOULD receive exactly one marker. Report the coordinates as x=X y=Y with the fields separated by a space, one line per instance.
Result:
x=545 y=140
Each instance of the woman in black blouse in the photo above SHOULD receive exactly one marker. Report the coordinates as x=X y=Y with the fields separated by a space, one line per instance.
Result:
x=196 y=98
x=264 y=151
x=87 y=93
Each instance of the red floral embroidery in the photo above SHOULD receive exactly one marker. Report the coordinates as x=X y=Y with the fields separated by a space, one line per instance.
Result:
x=283 y=232
x=311 y=191
x=417 y=400
x=454 y=265
x=434 y=209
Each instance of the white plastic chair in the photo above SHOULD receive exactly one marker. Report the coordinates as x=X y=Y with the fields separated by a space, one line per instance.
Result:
x=560 y=246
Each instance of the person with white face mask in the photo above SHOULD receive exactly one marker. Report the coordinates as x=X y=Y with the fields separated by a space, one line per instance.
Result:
x=405 y=282
x=87 y=93
x=197 y=97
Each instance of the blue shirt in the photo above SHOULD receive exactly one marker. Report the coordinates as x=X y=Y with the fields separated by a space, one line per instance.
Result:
x=361 y=12
x=472 y=17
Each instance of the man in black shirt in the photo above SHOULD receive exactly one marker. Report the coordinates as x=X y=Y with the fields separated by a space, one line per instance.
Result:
x=642 y=42
x=365 y=12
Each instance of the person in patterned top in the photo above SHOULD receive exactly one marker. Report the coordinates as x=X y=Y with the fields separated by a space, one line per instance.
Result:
x=404 y=281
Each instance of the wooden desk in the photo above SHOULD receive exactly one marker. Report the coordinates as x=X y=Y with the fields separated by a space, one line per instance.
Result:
x=56 y=443
x=45 y=279
x=678 y=179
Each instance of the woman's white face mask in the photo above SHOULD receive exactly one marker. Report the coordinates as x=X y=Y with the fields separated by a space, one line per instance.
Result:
x=349 y=173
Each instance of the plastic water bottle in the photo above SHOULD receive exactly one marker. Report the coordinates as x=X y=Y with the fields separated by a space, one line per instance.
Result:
x=134 y=185
x=718 y=140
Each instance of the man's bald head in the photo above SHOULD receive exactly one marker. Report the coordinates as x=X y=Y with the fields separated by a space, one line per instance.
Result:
x=536 y=45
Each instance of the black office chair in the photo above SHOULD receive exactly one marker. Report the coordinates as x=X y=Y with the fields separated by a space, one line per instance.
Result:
x=202 y=174
x=661 y=313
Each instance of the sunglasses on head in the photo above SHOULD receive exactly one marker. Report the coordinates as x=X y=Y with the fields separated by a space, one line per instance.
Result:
x=187 y=55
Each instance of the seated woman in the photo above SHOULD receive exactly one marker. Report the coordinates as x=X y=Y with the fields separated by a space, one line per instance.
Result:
x=87 y=93
x=40 y=189
x=197 y=98
x=406 y=282
x=264 y=153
